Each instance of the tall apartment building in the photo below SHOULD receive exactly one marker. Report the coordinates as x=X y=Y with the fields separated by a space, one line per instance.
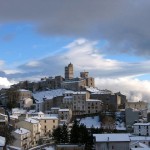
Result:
x=79 y=102
x=48 y=123
x=34 y=127
x=22 y=138
x=69 y=72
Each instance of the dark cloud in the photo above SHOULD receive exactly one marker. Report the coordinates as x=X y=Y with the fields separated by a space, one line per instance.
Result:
x=123 y=23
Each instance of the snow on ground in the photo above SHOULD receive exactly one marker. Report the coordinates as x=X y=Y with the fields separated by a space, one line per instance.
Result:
x=120 y=118
x=91 y=122
x=120 y=125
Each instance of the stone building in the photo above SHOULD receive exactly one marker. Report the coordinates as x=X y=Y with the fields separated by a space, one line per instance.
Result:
x=65 y=115
x=93 y=106
x=68 y=99
x=79 y=102
x=76 y=84
x=69 y=72
x=33 y=126
x=48 y=123
x=111 y=101
x=22 y=138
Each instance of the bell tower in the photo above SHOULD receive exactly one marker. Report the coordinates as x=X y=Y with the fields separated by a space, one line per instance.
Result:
x=69 y=72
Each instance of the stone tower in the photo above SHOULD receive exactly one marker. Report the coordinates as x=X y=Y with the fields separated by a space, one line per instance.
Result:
x=69 y=72
x=84 y=74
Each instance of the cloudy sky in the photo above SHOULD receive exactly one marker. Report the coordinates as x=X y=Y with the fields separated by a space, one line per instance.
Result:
x=110 y=39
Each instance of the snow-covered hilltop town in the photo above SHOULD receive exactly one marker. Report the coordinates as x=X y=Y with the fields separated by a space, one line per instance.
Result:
x=67 y=113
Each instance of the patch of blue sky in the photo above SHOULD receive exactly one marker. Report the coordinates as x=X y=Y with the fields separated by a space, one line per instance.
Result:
x=144 y=77
x=125 y=58
x=26 y=44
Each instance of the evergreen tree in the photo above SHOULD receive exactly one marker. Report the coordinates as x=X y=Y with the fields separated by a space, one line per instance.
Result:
x=65 y=134
x=74 y=134
x=6 y=132
x=83 y=134
x=57 y=134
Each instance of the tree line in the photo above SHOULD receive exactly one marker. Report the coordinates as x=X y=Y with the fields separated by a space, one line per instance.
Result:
x=77 y=135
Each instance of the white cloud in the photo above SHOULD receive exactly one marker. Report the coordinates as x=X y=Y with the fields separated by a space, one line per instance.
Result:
x=33 y=64
x=5 y=83
x=133 y=88
x=84 y=55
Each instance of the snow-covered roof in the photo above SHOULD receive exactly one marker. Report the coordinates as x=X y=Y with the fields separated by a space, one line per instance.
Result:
x=140 y=138
x=23 y=90
x=19 y=111
x=93 y=100
x=14 y=116
x=3 y=115
x=80 y=92
x=103 y=92
x=68 y=97
x=92 y=89
x=68 y=92
x=22 y=131
x=31 y=111
x=49 y=148
x=72 y=81
x=142 y=124
x=140 y=148
x=63 y=110
x=39 y=96
x=111 y=137
x=55 y=108
x=45 y=117
x=13 y=147
x=32 y=120
x=40 y=113
x=2 y=141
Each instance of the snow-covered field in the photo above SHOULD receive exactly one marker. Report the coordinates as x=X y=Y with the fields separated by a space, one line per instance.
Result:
x=91 y=122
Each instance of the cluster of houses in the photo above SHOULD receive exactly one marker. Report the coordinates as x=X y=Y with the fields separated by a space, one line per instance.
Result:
x=43 y=106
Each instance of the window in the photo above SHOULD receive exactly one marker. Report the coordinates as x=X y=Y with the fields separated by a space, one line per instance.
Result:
x=45 y=121
x=54 y=126
x=112 y=147
x=53 y=121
